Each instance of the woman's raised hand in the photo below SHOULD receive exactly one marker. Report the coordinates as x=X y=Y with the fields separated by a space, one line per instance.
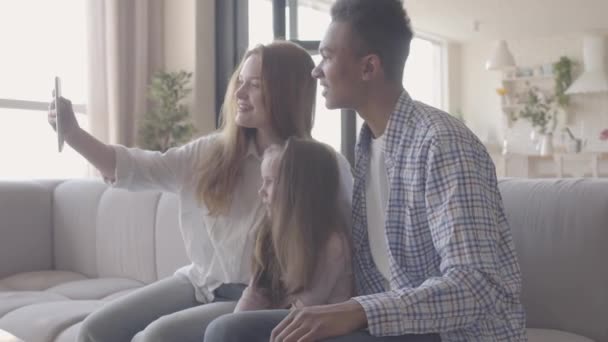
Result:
x=68 y=119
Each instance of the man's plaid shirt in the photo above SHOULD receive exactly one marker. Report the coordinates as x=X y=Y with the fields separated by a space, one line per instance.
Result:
x=452 y=260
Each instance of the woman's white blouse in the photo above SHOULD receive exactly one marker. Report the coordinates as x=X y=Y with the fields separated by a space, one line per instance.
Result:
x=220 y=247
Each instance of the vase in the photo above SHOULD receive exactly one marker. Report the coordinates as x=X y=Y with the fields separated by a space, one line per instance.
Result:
x=546 y=144
x=534 y=138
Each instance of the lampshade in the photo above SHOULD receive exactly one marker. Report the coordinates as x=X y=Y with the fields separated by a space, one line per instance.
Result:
x=501 y=58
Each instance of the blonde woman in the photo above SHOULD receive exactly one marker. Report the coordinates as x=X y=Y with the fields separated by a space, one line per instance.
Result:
x=270 y=97
x=302 y=252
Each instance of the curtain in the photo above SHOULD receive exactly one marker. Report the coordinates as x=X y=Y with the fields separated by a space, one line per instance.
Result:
x=125 y=48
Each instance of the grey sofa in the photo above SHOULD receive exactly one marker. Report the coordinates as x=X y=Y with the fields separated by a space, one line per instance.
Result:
x=68 y=247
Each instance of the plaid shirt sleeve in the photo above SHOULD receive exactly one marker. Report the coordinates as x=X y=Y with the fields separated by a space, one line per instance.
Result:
x=459 y=188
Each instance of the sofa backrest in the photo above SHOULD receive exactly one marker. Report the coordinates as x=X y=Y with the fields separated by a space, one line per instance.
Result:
x=25 y=226
x=560 y=230
x=104 y=232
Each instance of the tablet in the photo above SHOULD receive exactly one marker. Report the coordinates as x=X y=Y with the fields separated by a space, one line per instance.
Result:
x=57 y=96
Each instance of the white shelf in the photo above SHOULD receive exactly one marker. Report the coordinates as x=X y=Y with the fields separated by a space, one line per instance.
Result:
x=529 y=78
x=513 y=106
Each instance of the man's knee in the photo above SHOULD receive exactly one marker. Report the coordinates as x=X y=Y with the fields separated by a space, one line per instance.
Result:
x=227 y=328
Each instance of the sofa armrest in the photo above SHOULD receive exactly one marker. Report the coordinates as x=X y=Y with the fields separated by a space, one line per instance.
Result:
x=26 y=226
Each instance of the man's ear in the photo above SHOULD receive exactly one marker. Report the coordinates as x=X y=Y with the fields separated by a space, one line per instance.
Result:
x=371 y=67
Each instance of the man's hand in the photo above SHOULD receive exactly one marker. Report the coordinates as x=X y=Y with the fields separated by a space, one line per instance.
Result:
x=315 y=323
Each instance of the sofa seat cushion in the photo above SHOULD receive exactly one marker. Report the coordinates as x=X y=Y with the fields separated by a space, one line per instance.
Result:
x=12 y=300
x=39 y=280
x=549 y=335
x=94 y=288
x=46 y=321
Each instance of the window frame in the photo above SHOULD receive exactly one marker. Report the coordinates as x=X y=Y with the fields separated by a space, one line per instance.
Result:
x=349 y=117
x=36 y=105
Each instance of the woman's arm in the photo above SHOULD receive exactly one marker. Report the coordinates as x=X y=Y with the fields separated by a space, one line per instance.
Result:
x=133 y=168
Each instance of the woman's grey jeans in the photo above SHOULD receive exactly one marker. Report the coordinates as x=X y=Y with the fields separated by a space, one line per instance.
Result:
x=166 y=310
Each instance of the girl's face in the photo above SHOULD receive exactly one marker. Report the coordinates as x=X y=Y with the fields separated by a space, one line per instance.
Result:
x=269 y=170
x=251 y=110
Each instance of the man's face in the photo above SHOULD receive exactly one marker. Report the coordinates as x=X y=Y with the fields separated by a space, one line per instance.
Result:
x=339 y=72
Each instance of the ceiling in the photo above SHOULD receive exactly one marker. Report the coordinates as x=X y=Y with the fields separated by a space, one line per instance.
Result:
x=508 y=19
x=500 y=19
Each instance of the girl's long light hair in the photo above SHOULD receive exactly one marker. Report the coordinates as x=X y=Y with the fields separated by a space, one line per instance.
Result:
x=303 y=215
x=289 y=96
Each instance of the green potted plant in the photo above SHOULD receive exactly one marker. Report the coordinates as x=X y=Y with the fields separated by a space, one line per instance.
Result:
x=168 y=123
x=563 y=79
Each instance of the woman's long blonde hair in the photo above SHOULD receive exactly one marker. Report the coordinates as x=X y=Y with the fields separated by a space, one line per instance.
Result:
x=303 y=215
x=289 y=96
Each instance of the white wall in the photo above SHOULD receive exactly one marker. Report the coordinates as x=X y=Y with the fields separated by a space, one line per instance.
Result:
x=481 y=104
x=189 y=41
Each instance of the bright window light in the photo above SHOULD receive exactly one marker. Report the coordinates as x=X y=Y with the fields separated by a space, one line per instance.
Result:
x=328 y=123
x=41 y=39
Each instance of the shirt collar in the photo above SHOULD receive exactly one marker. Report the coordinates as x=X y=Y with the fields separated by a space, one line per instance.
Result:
x=394 y=128
x=397 y=122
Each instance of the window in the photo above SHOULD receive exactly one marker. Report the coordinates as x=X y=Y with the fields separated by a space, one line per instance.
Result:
x=41 y=39
x=327 y=126
x=424 y=76
x=260 y=22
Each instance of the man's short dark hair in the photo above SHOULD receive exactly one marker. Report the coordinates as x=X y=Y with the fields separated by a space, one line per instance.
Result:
x=381 y=27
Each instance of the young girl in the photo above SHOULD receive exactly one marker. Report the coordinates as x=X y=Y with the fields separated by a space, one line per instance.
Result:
x=302 y=252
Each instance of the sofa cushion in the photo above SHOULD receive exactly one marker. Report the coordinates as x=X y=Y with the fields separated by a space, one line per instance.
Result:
x=170 y=250
x=26 y=228
x=125 y=235
x=94 y=288
x=548 y=335
x=39 y=280
x=559 y=232
x=45 y=321
x=10 y=301
x=75 y=206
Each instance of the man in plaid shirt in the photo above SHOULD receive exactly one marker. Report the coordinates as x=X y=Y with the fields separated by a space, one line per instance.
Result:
x=433 y=254
x=433 y=250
